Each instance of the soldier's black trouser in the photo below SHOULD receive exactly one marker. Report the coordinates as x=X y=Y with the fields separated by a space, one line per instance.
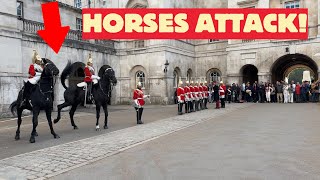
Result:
x=197 y=105
x=27 y=90
x=139 y=115
x=186 y=107
x=190 y=106
x=193 y=106
x=180 y=106
x=223 y=103
x=205 y=103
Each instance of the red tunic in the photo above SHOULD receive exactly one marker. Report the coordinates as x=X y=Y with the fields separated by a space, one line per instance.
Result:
x=205 y=90
x=180 y=93
x=138 y=94
x=222 y=91
x=187 y=92
x=192 y=91
x=196 y=91
x=32 y=71
x=88 y=74
x=201 y=91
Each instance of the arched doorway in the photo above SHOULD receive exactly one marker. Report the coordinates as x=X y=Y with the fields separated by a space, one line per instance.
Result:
x=77 y=76
x=176 y=77
x=292 y=66
x=249 y=73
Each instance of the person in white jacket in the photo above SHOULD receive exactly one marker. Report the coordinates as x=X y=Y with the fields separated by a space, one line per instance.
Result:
x=286 y=93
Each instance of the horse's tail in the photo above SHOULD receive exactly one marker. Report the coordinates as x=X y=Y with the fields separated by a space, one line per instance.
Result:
x=13 y=107
x=65 y=73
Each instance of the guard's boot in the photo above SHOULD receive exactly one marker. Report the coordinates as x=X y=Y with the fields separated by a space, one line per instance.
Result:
x=139 y=121
x=26 y=93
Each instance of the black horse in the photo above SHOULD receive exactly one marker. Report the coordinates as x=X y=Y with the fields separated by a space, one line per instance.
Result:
x=41 y=98
x=76 y=95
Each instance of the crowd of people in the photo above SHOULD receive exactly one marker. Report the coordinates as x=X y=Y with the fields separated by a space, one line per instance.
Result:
x=266 y=92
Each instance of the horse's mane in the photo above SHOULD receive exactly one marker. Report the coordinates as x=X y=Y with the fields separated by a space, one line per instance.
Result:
x=103 y=69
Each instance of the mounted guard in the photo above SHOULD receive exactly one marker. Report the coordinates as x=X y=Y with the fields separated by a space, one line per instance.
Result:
x=35 y=70
x=89 y=80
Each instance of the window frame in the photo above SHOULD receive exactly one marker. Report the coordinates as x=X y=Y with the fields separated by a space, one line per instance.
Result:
x=214 y=76
x=79 y=26
x=20 y=3
x=294 y=4
x=78 y=4
x=142 y=76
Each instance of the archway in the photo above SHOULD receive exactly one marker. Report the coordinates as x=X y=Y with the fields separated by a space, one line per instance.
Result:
x=214 y=74
x=249 y=73
x=77 y=76
x=176 y=77
x=293 y=63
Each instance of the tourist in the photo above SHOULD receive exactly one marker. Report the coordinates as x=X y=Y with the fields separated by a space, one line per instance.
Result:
x=298 y=93
x=279 y=88
x=273 y=94
x=268 y=93
x=290 y=95
x=285 y=93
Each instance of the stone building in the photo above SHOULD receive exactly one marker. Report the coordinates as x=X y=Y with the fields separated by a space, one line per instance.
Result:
x=158 y=64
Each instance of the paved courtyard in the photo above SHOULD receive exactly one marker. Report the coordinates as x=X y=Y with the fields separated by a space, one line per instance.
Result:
x=243 y=141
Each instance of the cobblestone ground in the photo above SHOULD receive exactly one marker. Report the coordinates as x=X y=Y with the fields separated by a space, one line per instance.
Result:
x=49 y=162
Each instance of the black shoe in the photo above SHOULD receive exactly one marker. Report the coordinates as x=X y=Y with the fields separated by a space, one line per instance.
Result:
x=139 y=122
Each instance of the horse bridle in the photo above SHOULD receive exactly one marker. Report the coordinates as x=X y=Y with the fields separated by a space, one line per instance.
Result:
x=53 y=82
x=111 y=87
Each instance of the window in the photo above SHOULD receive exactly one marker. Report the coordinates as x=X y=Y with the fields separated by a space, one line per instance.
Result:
x=189 y=75
x=215 y=76
x=141 y=78
x=20 y=9
x=79 y=24
x=292 y=4
x=139 y=44
x=175 y=79
x=77 y=3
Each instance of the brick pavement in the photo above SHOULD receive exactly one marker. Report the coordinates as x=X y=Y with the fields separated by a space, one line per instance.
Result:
x=49 y=162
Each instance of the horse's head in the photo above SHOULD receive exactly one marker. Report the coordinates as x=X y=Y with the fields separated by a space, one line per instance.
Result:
x=50 y=69
x=110 y=74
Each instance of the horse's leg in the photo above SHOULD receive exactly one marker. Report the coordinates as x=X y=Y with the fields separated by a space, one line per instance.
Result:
x=19 y=112
x=105 y=108
x=98 y=107
x=60 y=107
x=35 y=113
x=36 y=133
x=48 y=114
x=72 y=111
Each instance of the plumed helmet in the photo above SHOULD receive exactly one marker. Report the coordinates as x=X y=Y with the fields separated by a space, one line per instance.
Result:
x=221 y=82
x=90 y=59
x=187 y=82
x=36 y=57
x=139 y=84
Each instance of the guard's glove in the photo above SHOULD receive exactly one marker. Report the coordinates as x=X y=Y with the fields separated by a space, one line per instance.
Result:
x=38 y=74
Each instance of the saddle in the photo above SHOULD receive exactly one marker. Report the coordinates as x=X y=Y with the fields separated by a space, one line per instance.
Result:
x=87 y=87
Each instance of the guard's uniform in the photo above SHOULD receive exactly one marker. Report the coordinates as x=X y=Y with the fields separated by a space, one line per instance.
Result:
x=181 y=99
x=201 y=97
x=35 y=71
x=138 y=98
x=192 y=95
x=187 y=99
x=197 y=97
x=222 y=94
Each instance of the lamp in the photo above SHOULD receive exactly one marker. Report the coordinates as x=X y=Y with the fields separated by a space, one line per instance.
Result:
x=166 y=67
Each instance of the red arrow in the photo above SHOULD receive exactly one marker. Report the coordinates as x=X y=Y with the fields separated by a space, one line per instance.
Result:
x=53 y=33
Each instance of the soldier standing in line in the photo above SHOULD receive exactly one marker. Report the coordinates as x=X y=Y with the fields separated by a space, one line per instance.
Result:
x=192 y=102
x=222 y=93
x=138 y=98
x=197 y=96
x=181 y=97
x=202 y=95
x=187 y=97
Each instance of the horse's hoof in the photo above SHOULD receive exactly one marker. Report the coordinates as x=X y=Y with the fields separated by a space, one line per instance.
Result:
x=36 y=134
x=55 y=121
x=97 y=128
x=56 y=136
x=75 y=127
x=32 y=140
x=105 y=127
x=17 y=137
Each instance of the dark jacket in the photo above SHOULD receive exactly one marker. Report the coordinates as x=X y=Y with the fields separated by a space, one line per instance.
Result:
x=279 y=88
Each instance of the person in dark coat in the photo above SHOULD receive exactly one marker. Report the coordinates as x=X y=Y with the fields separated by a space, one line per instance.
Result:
x=216 y=94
